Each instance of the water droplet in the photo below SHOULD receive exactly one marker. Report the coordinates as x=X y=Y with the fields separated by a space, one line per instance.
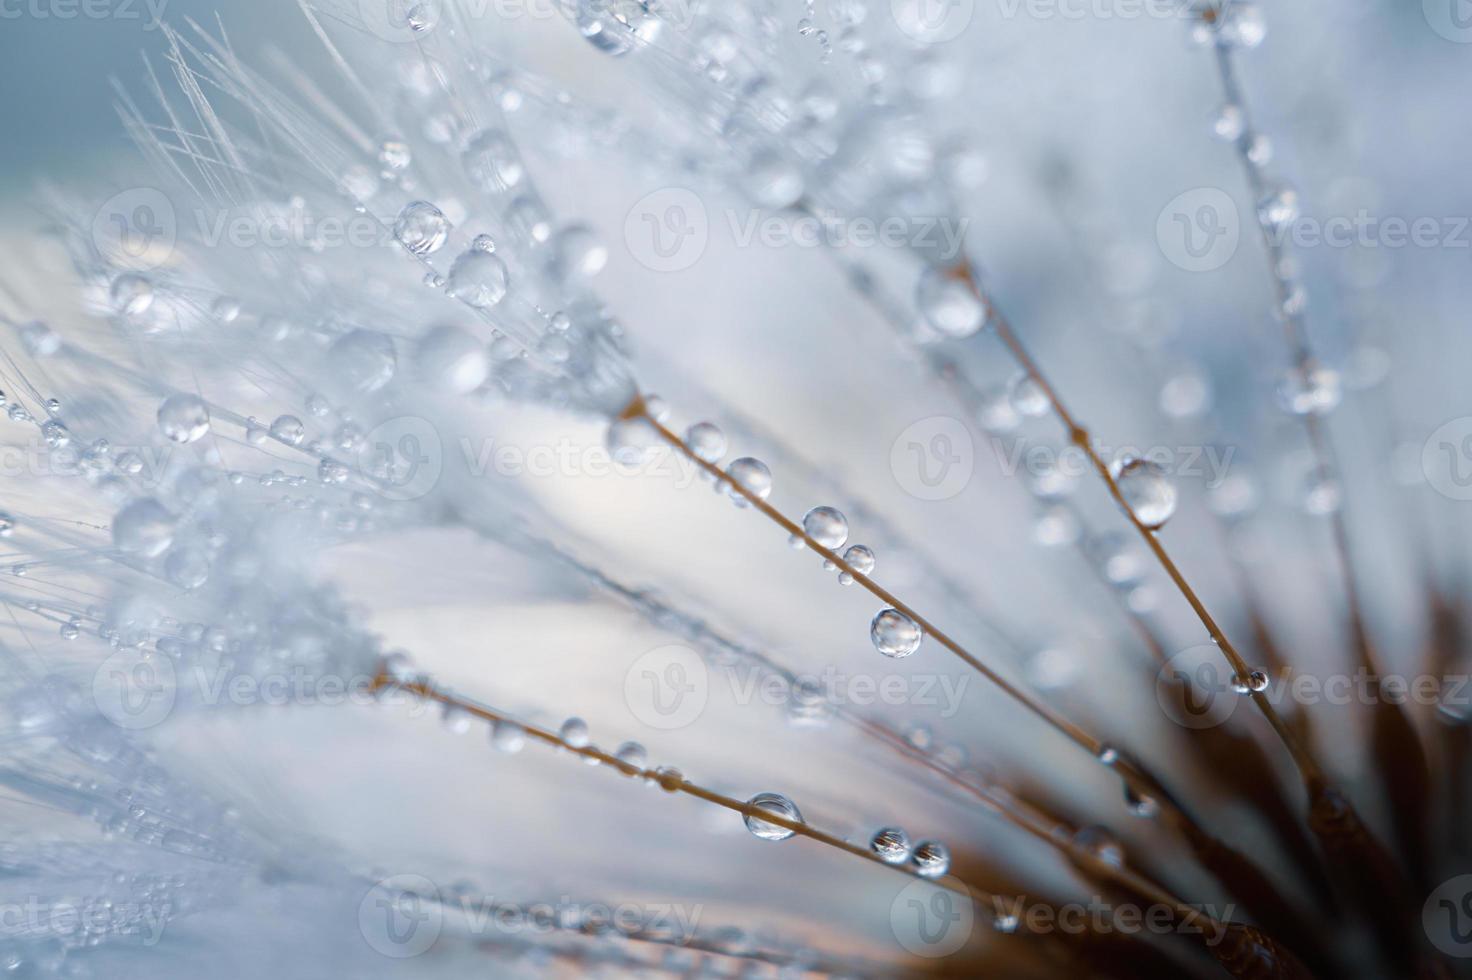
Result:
x=1056 y=526
x=931 y=859
x=1256 y=681
x=669 y=778
x=448 y=357
x=1185 y=396
x=1321 y=494
x=188 y=568
x=455 y=719
x=777 y=805
x=751 y=474
x=55 y=434
x=226 y=309
x=772 y=181
x=131 y=294
x=617 y=28
x=70 y=631
x=39 y=339
x=1147 y=489
x=7 y=525
x=1108 y=755
x=491 y=161
x=894 y=634
x=1242 y=24
x=1140 y=805
x=395 y=155
x=1027 y=397
x=827 y=526
x=706 y=442
x=631 y=441
x=1101 y=844
x=891 y=844
x=1313 y=391
x=529 y=217
x=183 y=418
x=507 y=736
x=289 y=429
x=948 y=304
x=633 y=754
x=861 y=559
x=365 y=360
x=580 y=253
x=1278 y=210
x=422 y=228
x=1260 y=150
x=574 y=732
x=144 y=528
x=1229 y=122
x=1122 y=560
x=478 y=279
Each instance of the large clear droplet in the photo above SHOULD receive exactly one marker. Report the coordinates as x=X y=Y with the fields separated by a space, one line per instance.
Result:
x=948 y=304
x=706 y=442
x=574 y=732
x=777 y=805
x=617 y=27
x=931 y=859
x=478 y=279
x=448 y=357
x=827 y=526
x=183 y=418
x=364 y=359
x=751 y=474
x=491 y=161
x=422 y=228
x=131 y=294
x=507 y=736
x=580 y=253
x=143 y=528
x=289 y=429
x=1147 y=489
x=860 y=559
x=891 y=844
x=894 y=634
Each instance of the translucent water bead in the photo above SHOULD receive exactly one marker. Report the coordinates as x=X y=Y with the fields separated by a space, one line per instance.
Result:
x=931 y=859
x=449 y=358
x=1312 y=391
x=422 y=228
x=491 y=161
x=226 y=309
x=777 y=805
x=580 y=254
x=1257 y=681
x=751 y=474
x=948 y=304
x=1278 y=209
x=894 y=634
x=143 y=528
x=1026 y=396
x=289 y=429
x=1101 y=844
x=1147 y=489
x=860 y=559
x=183 y=418
x=131 y=294
x=706 y=442
x=574 y=732
x=616 y=27
x=891 y=844
x=478 y=279
x=507 y=736
x=827 y=526
x=633 y=754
